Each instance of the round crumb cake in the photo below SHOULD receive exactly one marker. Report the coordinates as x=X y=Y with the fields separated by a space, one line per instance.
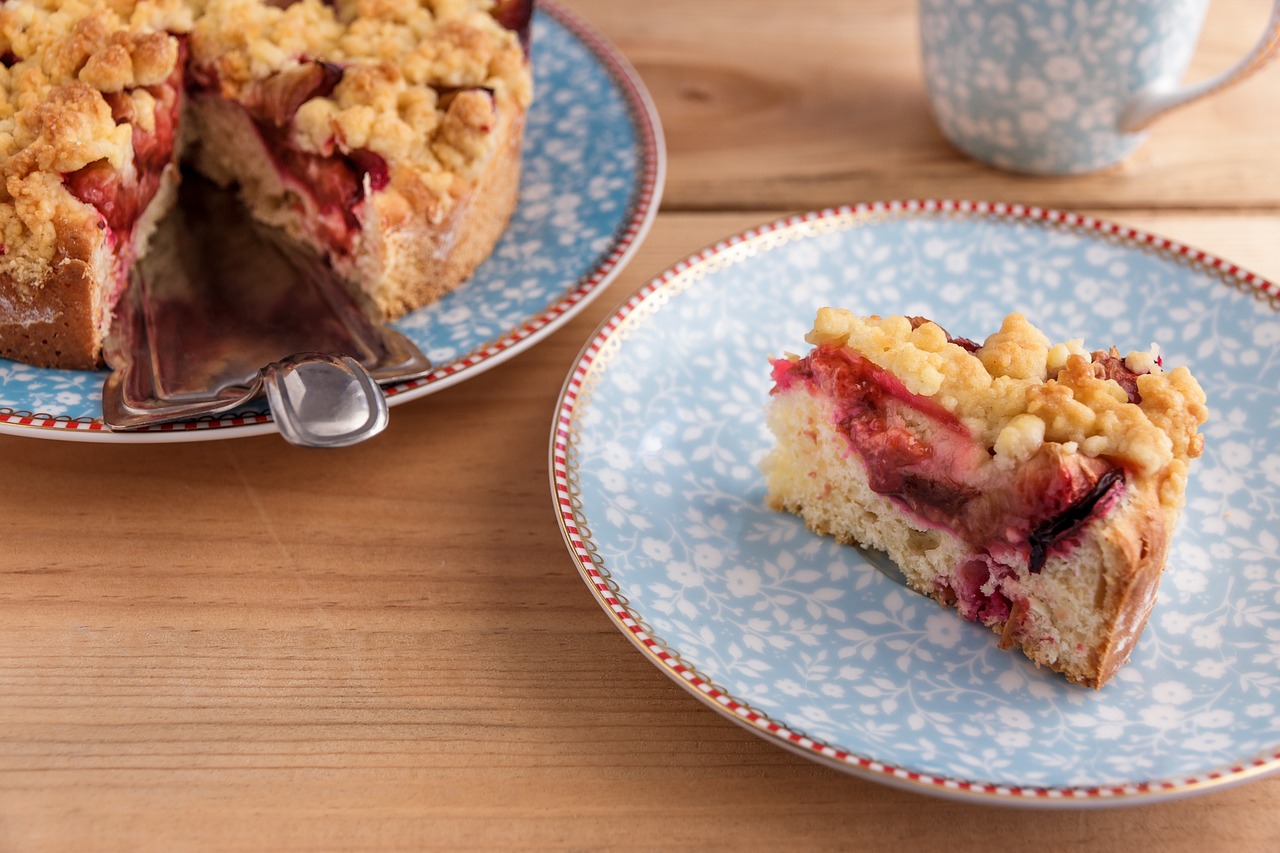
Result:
x=386 y=135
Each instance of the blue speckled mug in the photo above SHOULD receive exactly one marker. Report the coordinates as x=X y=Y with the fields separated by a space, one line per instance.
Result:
x=1064 y=86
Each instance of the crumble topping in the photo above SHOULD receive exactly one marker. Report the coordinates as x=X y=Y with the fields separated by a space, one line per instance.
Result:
x=59 y=62
x=421 y=81
x=1017 y=391
x=421 y=85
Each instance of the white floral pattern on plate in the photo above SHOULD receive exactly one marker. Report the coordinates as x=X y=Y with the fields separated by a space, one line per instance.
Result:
x=1058 y=87
x=593 y=171
x=817 y=646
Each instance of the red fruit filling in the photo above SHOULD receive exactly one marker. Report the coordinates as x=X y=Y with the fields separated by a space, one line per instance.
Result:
x=121 y=197
x=970 y=600
x=1011 y=518
x=276 y=99
x=336 y=181
x=515 y=15
x=1113 y=367
x=964 y=343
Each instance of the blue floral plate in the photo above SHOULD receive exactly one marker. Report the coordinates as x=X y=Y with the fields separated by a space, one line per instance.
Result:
x=818 y=647
x=593 y=170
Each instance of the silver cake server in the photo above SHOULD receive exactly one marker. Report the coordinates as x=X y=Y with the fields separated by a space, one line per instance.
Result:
x=222 y=311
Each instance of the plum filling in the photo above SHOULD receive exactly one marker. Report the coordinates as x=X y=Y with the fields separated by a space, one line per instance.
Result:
x=336 y=182
x=275 y=100
x=515 y=15
x=121 y=196
x=1063 y=526
x=333 y=182
x=970 y=599
x=1011 y=518
x=964 y=343
x=931 y=480
x=1113 y=367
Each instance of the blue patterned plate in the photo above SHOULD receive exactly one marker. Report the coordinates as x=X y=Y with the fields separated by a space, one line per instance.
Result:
x=593 y=170
x=818 y=647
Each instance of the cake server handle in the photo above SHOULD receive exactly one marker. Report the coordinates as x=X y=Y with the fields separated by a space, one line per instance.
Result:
x=322 y=400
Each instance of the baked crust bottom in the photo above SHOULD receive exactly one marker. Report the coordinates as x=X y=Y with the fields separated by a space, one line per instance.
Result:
x=1080 y=615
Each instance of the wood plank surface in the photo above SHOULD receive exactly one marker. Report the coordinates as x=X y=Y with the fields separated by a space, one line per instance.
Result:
x=821 y=102
x=240 y=645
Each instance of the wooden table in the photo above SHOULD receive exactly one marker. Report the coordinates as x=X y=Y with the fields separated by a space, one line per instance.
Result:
x=240 y=645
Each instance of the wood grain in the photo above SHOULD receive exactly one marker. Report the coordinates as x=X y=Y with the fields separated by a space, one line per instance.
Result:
x=821 y=102
x=239 y=645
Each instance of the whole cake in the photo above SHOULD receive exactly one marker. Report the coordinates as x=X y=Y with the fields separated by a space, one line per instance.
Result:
x=1032 y=486
x=384 y=134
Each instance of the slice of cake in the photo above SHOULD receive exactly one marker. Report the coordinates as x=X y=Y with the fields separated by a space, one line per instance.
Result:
x=384 y=135
x=1033 y=487
x=89 y=110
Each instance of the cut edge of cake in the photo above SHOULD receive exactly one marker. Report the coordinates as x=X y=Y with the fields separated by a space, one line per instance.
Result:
x=1071 y=584
x=405 y=255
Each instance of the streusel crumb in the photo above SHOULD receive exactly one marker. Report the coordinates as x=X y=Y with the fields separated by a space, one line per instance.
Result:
x=59 y=58
x=1017 y=390
x=419 y=84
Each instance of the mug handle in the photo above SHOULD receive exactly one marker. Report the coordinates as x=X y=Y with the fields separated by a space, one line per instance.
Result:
x=1159 y=98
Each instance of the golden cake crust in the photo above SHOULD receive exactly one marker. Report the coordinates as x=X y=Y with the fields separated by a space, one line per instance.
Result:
x=56 y=325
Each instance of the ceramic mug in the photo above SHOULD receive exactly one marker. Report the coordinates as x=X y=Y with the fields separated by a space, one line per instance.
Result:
x=1064 y=86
